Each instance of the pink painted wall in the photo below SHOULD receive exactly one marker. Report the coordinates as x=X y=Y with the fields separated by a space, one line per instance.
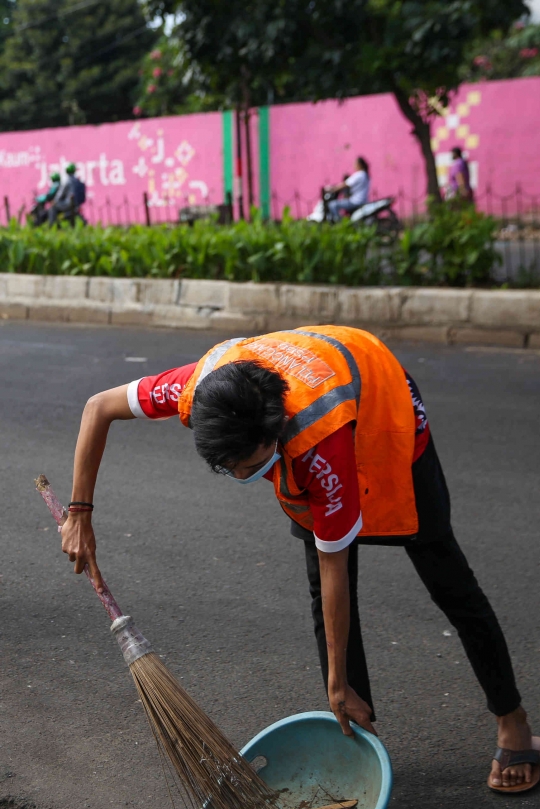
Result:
x=176 y=160
x=179 y=160
x=496 y=123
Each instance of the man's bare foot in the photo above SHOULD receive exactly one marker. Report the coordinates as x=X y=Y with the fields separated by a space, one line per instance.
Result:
x=514 y=734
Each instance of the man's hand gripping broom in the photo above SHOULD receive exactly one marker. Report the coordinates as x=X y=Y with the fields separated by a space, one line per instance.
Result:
x=209 y=768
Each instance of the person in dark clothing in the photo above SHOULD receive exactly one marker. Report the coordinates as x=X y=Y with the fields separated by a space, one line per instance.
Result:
x=70 y=197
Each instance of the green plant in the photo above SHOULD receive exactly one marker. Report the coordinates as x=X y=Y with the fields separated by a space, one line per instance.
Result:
x=461 y=245
x=454 y=247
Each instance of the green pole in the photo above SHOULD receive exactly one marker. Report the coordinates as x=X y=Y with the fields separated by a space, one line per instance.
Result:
x=264 y=161
x=228 y=162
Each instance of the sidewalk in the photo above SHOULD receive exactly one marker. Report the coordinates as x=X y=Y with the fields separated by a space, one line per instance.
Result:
x=452 y=316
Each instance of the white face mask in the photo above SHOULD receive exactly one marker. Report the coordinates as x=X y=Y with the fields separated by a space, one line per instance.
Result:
x=256 y=475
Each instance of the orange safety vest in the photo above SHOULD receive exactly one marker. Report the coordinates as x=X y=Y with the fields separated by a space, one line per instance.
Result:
x=336 y=375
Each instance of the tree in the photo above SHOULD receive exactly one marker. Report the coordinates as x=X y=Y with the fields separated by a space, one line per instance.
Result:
x=504 y=57
x=170 y=84
x=67 y=62
x=6 y=14
x=298 y=50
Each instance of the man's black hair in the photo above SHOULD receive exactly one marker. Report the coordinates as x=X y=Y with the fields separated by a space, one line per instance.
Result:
x=236 y=408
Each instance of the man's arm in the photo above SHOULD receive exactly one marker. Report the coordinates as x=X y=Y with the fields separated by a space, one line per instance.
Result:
x=78 y=539
x=344 y=701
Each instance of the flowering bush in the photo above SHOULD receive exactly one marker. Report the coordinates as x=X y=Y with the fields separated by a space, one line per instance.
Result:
x=528 y=53
x=498 y=57
x=170 y=83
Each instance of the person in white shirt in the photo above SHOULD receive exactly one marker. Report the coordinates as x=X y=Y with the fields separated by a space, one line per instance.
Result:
x=358 y=186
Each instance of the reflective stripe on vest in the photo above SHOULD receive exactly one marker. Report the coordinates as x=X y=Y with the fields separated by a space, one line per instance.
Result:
x=328 y=401
x=214 y=357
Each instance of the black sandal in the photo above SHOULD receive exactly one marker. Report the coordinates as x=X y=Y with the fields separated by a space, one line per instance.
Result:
x=509 y=758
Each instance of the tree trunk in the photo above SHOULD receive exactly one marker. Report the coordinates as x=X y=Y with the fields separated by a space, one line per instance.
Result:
x=422 y=132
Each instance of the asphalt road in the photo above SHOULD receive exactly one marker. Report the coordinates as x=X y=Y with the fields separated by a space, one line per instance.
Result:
x=214 y=579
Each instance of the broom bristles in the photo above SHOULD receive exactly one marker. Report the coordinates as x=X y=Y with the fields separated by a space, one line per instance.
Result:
x=214 y=775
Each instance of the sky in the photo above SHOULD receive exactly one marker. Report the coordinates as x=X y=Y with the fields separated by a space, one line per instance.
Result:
x=534 y=5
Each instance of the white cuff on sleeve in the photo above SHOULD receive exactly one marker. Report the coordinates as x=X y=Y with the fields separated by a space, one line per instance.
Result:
x=344 y=542
x=133 y=399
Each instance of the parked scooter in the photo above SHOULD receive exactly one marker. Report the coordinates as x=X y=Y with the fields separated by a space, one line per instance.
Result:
x=379 y=213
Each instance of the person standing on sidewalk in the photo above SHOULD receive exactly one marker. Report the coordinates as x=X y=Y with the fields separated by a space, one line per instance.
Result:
x=329 y=416
x=459 y=179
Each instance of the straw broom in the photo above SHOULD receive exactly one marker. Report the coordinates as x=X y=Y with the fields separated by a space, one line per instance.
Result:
x=212 y=773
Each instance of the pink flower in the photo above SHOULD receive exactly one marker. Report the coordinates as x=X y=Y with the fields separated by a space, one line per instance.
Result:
x=481 y=61
x=156 y=73
x=519 y=25
x=137 y=111
x=528 y=53
x=170 y=73
x=151 y=88
x=155 y=54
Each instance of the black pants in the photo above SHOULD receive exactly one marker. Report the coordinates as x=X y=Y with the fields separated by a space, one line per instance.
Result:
x=451 y=583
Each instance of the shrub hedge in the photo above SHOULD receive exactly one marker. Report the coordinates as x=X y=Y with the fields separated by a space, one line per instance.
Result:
x=455 y=247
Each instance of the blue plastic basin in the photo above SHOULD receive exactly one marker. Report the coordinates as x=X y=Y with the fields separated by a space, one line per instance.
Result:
x=314 y=763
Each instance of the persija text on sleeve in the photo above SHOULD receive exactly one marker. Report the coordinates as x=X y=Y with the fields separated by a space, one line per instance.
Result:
x=328 y=472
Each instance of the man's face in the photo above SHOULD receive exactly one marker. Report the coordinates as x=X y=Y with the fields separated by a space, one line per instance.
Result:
x=244 y=469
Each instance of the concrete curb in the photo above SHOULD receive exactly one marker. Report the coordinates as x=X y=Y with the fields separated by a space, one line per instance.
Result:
x=452 y=316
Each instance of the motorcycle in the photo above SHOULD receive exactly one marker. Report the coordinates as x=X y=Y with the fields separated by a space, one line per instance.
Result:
x=379 y=213
x=39 y=213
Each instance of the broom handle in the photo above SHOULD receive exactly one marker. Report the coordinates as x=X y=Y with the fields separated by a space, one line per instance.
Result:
x=60 y=515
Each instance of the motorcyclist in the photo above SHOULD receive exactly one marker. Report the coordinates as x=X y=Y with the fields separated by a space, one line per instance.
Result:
x=71 y=196
x=52 y=191
x=38 y=213
x=357 y=184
